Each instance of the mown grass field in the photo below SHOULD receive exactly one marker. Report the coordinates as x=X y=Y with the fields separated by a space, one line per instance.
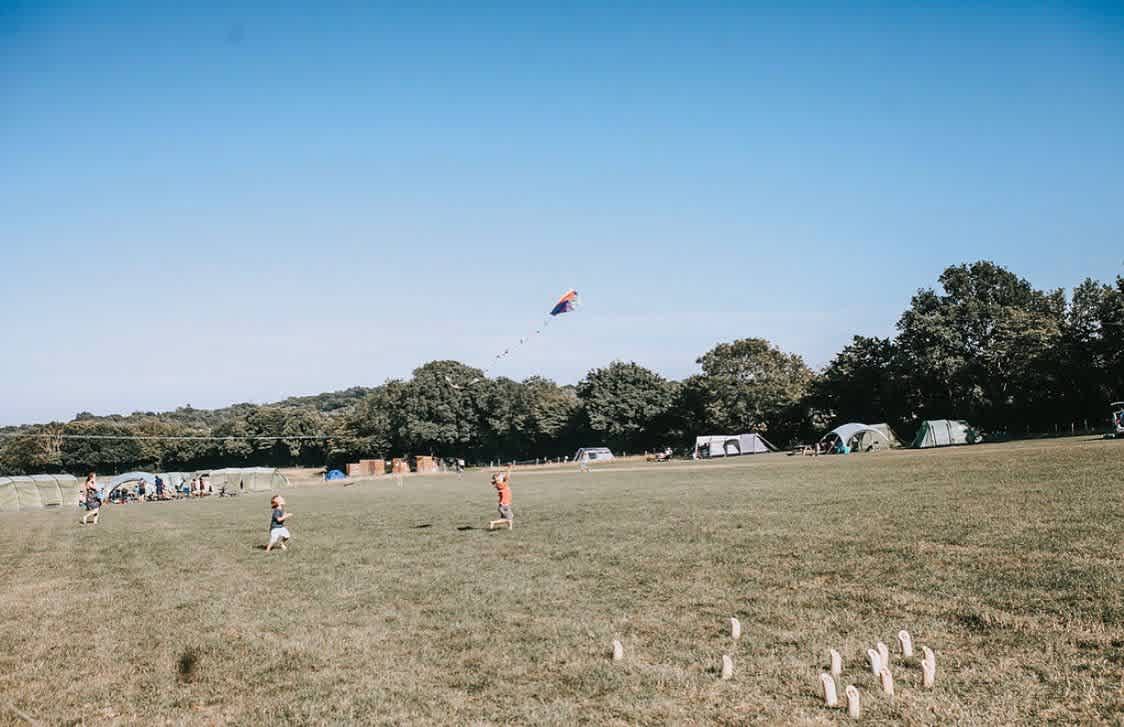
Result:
x=394 y=605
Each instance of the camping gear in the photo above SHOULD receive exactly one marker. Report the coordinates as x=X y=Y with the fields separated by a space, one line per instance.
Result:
x=944 y=433
x=335 y=475
x=730 y=445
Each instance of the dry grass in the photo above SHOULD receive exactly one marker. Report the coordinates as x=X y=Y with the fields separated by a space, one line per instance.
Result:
x=396 y=606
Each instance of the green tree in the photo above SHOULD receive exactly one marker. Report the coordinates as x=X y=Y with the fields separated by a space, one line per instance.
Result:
x=34 y=450
x=624 y=402
x=117 y=452
x=981 y=350
x=752 y=385
x=443 y=407
x=863 y=383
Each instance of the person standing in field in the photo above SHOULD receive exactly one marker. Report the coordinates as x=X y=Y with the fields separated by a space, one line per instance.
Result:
x=502 y=482
x=278 y=533
x=93 y=502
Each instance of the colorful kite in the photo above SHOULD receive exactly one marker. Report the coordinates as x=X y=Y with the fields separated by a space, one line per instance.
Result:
x=566 y=303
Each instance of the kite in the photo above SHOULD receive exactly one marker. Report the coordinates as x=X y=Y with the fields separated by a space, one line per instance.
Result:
x=566 y=304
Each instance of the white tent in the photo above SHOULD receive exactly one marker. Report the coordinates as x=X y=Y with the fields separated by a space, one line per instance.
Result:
x=246 y=479
x=944 y=433
x=36 y=492
x=731 y=445
x=857 y=437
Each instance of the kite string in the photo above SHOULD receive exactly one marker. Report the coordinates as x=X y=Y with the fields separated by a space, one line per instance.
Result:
x=522 y=341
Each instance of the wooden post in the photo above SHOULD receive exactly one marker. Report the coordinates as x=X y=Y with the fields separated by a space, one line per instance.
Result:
x=854 y=708
x=830 y=698
x=836 y=663
x=883 y=653
x=905 y=642
x=887 y=681
x=618 y=650
x=735 y=629
x=727 y=666
x=875 y=661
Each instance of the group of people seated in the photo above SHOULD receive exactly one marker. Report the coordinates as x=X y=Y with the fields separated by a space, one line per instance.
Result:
x=161 y=490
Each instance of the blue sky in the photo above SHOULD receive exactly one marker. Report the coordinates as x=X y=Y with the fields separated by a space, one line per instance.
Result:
x=215 y=204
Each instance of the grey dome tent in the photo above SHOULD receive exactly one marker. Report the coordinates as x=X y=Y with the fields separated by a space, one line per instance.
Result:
x=857 y=437
x=731 y=445
x=36 y=492
x=130 y=478
x=944 y=433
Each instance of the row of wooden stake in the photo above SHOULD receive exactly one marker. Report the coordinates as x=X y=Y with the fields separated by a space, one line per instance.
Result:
x=878 y=657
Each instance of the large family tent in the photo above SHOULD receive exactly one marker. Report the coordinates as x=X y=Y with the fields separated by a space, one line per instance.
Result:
x=857 y=437
x=944 y=433
x=246 y=479
x=731 y=445
x=35 y=492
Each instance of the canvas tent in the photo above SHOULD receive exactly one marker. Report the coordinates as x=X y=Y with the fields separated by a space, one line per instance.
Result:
x=857 y=437
x=36 y=492
x=246 y=479
x=944 y=433
x=888 y=433
x=730 y=445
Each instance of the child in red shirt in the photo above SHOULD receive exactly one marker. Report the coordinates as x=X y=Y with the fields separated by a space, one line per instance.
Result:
x=502 y=482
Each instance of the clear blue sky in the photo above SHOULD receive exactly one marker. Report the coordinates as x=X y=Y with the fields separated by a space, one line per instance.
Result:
x=210 y=205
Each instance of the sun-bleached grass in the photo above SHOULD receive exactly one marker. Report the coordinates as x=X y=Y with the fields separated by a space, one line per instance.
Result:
x=395 y=605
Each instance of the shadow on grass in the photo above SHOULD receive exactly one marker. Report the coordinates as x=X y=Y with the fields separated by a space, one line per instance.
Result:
x=423 y=526
x=463 y=528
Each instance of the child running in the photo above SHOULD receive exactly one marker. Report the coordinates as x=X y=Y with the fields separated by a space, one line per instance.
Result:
x=278 y=533
x=93 y=502
x=502 y=482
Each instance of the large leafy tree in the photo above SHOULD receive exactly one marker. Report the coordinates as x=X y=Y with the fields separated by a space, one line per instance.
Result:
x=33 y=450
x=104 y=446
x=624 y=402
x=863 y=383
x=443 y=407
x=752 y=385
x=981 y=349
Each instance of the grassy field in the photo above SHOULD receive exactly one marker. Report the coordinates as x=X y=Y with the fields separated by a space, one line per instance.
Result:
x=395 y=605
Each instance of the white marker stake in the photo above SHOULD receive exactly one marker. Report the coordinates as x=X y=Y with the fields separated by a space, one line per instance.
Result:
x=905 y=641
x=830 y=698
x=618 y=650
x=928 y=673
x=735 y=629
x=887 y=682
x=875 y=661
x=884 y=653
x=836 y=663
x=929 y=656
x=727 y=666
x=854 y=708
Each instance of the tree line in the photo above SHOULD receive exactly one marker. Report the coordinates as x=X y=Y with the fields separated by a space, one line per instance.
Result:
x=985 y=346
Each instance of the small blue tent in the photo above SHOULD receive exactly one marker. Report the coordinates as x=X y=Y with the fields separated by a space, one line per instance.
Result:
x=335 y=475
